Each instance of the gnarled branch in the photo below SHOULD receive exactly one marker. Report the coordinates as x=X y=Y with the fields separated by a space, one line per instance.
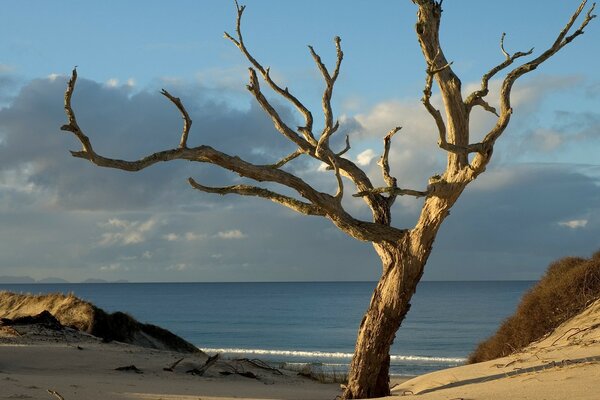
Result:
x=480 y=161
x=330 y=128
x=284 y=92
x=247 y=190
x=384 y=163
x=476 y=98
x=318 y=203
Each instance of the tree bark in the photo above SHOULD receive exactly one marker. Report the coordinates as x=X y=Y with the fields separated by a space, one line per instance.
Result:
x=369 y=371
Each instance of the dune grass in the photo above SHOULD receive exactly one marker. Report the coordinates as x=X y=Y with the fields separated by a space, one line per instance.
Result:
x=567 y=288
x=73 y=312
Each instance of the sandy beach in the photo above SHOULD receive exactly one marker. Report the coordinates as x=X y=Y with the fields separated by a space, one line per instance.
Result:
x=40 y=363
x=80 y=367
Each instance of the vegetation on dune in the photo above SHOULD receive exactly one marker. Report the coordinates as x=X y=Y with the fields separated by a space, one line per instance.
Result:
x=567 y=288
x=73 y=312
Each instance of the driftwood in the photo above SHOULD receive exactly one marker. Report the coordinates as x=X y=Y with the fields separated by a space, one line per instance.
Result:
x=246 y=374
x=55 y=394
x=130 y=368
x=172 y=367
x=260 y=364
x=209 y=363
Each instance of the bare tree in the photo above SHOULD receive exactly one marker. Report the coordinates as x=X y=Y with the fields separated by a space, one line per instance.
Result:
x=403 y=252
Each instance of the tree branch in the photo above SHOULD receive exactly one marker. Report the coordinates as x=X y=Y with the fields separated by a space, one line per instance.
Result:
x=323 y=203
x=455 y=131
x=562 y=40
x=393 y=191
x=284 y=92
x=345 y=149
x=385 y=164
x=187 y=122
x=286 y=159
x=246 y=190
x=346 y=167
x=254 y=88
x=476 y=98
x=329 y=79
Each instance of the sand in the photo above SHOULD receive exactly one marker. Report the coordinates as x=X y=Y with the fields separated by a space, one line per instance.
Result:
x=33 y=360
x=81 y=367
x=563 y=365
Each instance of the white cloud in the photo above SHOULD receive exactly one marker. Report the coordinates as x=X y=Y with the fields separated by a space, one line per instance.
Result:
x=146 y=255
x=232 y=234
x=130 y=82
x=171 y=237
x=112 y=82
x=125 y=232
x=114 y=267
x=191 y=236
x=364 y=158
x=574 y=223
x=177 y=267
x=53 y=76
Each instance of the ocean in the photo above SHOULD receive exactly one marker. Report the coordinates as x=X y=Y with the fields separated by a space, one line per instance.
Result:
x=308 y=322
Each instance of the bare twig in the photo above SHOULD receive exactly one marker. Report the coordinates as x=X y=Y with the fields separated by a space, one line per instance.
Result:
x=345 y=149
x=187 y=121
x=384 y=160
x=329 y=79
x=287 y=159
x=562 y=40
x=284 y=92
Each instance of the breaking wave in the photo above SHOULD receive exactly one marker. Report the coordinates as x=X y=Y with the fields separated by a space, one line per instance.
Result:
x=338 y=355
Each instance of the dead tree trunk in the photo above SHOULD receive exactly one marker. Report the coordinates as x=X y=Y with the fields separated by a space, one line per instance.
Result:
x=403 y=252
x=369 y=371
x=403 y=265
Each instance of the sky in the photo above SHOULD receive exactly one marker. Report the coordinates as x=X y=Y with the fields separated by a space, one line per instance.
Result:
x=539 y=199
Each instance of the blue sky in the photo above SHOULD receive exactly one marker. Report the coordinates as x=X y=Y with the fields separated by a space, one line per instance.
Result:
x=61 y=217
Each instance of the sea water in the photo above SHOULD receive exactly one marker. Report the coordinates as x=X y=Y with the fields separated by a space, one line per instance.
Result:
x=308 y=322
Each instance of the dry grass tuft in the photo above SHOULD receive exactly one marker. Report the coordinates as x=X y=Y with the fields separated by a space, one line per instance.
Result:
x=567 y=288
